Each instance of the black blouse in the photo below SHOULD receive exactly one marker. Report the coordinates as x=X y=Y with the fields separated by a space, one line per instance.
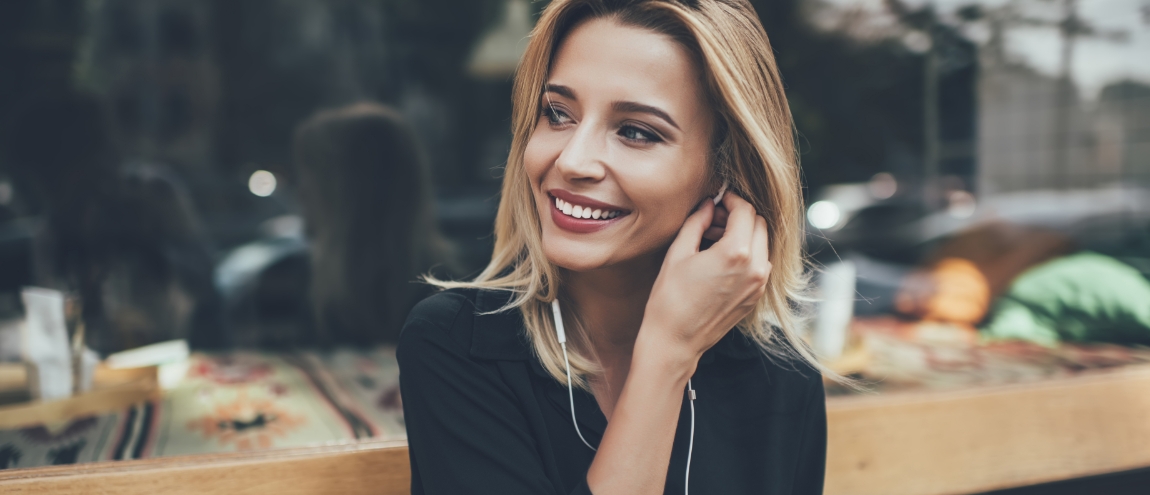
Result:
x=483 y=417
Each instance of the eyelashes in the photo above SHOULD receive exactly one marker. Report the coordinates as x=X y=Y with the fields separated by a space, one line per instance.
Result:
x=555 y=117
x=628 y=131
x=637 y=134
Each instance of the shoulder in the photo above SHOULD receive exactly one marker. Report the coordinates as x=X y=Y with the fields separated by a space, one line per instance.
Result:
x=795 y=379
x=442 y=308
x=444 y=316
x=778 y=381
x=470 y=322
x=790 y=385
x=439 y=367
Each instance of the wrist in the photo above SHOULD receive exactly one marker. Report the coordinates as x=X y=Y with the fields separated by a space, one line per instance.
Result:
x=654 y=351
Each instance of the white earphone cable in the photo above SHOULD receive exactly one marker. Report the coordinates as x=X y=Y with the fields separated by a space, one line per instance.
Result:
x=691 y=443
x=561 y=333
x=571 y=398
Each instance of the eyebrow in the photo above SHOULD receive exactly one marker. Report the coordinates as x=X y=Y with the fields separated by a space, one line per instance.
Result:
x=560 y=90
x=619 y=106
x=632 y=107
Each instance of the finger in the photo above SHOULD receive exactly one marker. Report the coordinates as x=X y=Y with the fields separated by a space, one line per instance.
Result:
x=713 y=233
x=760 y=247
x=740 y=223
x=721 y=215
x=691 y=234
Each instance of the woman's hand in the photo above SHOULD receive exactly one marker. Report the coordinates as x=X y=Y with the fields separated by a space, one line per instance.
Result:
x=718 y=224
x=697 y=297
x=700 y=295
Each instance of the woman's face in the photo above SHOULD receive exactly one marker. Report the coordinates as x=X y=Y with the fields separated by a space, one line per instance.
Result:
x=618 y=158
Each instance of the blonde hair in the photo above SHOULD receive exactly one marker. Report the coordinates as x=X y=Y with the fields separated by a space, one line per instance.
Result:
x=754 y=150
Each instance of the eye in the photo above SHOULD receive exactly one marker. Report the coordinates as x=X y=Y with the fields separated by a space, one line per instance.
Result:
x=638 y=134
x=555 y=117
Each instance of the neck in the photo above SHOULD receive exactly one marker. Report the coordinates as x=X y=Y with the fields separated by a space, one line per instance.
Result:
x=609 y=302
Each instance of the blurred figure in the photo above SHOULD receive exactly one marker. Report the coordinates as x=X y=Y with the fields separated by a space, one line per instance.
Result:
x=367 y=204
x=129 y=244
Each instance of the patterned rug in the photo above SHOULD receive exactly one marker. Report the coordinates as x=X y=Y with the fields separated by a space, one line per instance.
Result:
x=246 y=401
x=233 y=402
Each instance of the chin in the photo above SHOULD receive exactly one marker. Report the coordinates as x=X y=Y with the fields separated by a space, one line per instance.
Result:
x=576 y=256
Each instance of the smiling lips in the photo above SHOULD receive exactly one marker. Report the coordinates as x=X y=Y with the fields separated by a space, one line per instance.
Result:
x=584 y=212
x=582 y=215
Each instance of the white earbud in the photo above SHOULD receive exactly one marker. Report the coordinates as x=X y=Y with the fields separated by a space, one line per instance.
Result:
x=558 y=322
x=722 y=190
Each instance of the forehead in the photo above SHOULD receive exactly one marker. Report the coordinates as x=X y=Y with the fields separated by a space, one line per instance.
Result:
x=603 y=59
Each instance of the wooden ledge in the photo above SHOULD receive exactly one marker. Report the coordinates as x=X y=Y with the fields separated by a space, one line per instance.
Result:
x=991 y=438
x=937 y=443
x=368 y=467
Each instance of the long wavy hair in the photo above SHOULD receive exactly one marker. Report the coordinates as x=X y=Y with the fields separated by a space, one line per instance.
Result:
x=753 y=149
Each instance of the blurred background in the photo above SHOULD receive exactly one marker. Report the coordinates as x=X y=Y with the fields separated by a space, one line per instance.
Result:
x=152 y=162
x=273 y=174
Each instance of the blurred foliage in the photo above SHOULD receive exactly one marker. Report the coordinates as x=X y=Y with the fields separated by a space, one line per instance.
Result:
x=857 y=104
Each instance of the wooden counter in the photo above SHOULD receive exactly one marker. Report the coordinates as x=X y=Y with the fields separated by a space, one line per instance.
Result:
x=908 y=443
x=370 y=467
x=991 y=438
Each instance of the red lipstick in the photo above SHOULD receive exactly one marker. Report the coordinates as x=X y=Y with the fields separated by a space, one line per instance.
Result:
x=582 y=225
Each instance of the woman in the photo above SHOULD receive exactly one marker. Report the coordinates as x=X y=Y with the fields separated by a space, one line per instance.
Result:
x=367 y=202
x=126 y=240
x=628 y=117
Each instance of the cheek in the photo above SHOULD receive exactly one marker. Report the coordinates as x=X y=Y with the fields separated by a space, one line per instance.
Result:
x=666 y=199
x=538 y=156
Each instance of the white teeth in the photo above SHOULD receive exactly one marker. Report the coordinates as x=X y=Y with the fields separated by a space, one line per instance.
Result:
x=583 y=212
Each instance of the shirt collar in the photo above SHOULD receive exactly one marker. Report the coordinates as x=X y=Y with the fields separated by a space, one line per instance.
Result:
x=502 y=335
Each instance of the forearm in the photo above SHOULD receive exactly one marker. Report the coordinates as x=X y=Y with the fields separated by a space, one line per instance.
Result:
x=636 y=447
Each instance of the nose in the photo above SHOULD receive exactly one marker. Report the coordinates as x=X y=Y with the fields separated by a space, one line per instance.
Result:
x=584 y=156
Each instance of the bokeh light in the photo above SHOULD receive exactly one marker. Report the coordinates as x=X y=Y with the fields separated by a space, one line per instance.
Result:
x=823 y=214
x=262 y=183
